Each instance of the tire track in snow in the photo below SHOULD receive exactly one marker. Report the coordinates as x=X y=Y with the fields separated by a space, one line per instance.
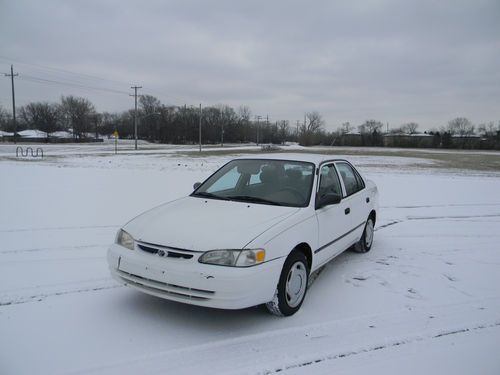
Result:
x=408 y=218
x=41 y=296
x=53 y=248
x=446 y=205
x=288 y=348
x=384 y=345
x=16 y=230
x=388 y=224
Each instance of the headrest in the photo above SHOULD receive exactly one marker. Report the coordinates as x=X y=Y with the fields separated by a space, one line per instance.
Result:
x=294 y=174
x=268 y=174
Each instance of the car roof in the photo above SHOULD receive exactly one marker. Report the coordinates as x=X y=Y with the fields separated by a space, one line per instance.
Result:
x=316 y=159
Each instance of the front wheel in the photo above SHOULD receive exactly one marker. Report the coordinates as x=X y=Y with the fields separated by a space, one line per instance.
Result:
x=365 y=243
x=292 y=286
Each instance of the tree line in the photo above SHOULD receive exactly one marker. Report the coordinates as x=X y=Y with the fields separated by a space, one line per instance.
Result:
x=459 y=132
x=158 y=122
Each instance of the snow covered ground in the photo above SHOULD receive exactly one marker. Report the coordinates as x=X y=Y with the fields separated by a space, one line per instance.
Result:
x=425 y=299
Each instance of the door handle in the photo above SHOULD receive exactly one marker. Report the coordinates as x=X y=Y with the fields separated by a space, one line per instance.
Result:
x=367 y=199
x=347 y=211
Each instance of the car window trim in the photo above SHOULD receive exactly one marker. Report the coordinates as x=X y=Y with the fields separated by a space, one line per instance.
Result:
x=318 y=182
x=355 y=173
x=307 y=202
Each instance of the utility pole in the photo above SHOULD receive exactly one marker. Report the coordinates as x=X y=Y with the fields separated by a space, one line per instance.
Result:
x=12 y=75
x=96 y=131
x=222 y=134
x=199 y=128
x=258 y=128
x=135 y=113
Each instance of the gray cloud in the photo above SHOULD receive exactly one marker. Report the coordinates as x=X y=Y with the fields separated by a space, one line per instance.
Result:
x=394 y=61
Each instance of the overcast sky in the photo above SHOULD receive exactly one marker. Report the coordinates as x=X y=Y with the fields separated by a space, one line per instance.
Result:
x=393 y=61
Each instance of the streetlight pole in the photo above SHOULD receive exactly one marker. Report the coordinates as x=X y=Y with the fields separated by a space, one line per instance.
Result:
x=258 y=128
x=135 y=113
x=222 y=134
x=199 y=128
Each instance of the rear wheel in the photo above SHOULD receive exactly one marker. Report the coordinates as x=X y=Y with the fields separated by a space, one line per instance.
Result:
x=292 y=286
x=365 y=243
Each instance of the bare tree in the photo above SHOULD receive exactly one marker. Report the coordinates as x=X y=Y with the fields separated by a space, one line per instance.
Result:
x=346 y=128
x=149 y=104
x=489 y=129
x=312 y=127
x=315 y=121
x=41 y=116
x=244 y=116
x=4 y=119
x=284 y=127
x=77 y=113
x=370 y=131
x=370 y=126
x=461 y=126
x=409 y=128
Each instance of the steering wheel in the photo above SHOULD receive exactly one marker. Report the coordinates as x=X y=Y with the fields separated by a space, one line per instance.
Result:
x=294 y=191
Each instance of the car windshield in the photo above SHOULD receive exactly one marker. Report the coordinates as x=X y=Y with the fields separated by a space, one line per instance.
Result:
x=273 y=182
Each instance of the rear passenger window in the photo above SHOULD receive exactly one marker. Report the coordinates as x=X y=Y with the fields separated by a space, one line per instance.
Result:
x=352 y=181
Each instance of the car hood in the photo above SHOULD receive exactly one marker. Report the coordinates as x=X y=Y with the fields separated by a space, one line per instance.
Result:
x=205 y=224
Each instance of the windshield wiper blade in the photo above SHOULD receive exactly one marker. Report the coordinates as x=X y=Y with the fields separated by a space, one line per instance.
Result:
x=204 y=194
x=247 y=198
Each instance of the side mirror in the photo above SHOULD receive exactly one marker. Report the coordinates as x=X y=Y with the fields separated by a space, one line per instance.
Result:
x=196 y=185
x=327 y=199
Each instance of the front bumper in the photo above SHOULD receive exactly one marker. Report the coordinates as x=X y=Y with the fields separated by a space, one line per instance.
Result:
x=189 y=281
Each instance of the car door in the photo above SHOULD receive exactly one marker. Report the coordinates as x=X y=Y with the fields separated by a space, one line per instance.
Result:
x=334 y=220
x=354 y=198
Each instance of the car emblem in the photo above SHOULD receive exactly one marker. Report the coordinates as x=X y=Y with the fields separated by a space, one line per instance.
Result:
x=161 y=253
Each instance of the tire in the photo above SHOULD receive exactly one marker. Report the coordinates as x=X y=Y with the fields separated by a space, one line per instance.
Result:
x=365 y=243
x=292 y=286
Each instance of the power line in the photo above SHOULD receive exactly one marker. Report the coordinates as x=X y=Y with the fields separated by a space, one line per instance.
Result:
x=30 y=78
x=51 y=70
x=65 y=71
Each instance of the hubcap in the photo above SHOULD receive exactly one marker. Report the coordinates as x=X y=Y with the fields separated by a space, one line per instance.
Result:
x=369 y=233
x=296 y=283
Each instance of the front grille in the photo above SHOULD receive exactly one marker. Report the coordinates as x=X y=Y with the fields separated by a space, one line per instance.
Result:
x=165 y=288
x=164 y=252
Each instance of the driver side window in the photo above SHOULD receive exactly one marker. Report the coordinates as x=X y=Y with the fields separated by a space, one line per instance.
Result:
x=329 y=181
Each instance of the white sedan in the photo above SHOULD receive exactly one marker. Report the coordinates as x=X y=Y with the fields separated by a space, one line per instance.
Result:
x=251 y=234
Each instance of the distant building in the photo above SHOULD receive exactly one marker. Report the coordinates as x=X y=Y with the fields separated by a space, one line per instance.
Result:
x=420 y=140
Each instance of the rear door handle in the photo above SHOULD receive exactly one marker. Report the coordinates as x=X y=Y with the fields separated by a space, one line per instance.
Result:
x=347 y=211
x=367 y=199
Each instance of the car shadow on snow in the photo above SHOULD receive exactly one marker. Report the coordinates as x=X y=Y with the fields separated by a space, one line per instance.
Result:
x=202 y=319
x=255 y=319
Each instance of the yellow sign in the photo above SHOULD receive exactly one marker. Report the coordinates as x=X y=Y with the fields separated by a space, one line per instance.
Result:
x=115 y=134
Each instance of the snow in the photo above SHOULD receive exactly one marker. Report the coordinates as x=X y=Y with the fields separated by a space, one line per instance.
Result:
x=425 y=299
x=61 y=134
x=32 y=133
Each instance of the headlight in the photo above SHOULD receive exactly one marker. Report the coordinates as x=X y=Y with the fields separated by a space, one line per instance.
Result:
x=234 y=258
x=124 y=239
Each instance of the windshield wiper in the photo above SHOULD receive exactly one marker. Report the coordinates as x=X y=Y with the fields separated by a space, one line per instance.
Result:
x=247 y=198
x=204 y=194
